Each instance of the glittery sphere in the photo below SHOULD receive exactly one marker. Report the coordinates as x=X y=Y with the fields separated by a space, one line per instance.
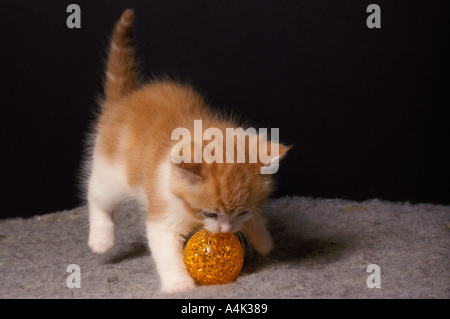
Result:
x=213 y=259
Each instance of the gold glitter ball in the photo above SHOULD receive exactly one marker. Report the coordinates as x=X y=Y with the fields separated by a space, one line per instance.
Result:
x=213 y=259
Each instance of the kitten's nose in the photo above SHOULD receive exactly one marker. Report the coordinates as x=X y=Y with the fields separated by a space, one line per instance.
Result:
x=226 y=228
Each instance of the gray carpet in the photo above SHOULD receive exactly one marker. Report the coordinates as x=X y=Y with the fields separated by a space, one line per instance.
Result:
x=323 y=249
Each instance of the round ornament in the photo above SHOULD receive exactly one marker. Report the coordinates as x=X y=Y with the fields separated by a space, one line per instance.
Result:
x=213 y=259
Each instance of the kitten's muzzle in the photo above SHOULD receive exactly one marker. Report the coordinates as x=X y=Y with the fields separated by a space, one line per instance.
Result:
x=226 y=228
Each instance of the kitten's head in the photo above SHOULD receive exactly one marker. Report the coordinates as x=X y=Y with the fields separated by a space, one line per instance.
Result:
x=223 y=196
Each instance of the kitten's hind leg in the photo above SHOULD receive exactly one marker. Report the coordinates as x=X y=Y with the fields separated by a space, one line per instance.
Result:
x=101 y=227
x=105 y=189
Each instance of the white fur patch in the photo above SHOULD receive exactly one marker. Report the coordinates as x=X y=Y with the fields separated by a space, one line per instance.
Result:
x=167 y=234
x=107 y=187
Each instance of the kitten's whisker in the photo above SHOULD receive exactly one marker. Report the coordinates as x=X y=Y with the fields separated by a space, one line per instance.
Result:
x=247 y=242
x=188 y=236
x=208 y=235
x=239 y=235
x=249 y=245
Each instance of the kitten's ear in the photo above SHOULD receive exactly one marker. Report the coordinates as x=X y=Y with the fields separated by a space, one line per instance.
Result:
x=274 y=154
x=190 y=172
x=270 y=155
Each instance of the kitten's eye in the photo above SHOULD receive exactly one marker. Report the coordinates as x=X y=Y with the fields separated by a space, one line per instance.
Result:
x=210 y=215
x=243 y=213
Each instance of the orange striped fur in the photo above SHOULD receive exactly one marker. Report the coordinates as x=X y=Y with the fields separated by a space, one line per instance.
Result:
x=121 y=77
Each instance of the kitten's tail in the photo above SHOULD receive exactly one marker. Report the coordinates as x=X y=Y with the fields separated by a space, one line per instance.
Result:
x=121 y=77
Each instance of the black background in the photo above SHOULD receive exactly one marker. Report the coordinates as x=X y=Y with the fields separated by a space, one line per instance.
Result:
x=366 y=109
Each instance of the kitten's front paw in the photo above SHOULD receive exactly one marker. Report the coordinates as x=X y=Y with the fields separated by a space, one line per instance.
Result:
x=178 y=285
x=264 y=246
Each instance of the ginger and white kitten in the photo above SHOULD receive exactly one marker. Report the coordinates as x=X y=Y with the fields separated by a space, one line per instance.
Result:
x=131 y=159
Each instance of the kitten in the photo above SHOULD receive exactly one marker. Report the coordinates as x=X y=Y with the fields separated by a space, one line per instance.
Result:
x=131 y=158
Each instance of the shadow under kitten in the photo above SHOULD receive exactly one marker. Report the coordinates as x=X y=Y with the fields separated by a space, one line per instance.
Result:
x=296 y=242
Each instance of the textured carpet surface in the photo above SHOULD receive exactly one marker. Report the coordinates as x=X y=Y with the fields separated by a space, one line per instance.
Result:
x=323 y=249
